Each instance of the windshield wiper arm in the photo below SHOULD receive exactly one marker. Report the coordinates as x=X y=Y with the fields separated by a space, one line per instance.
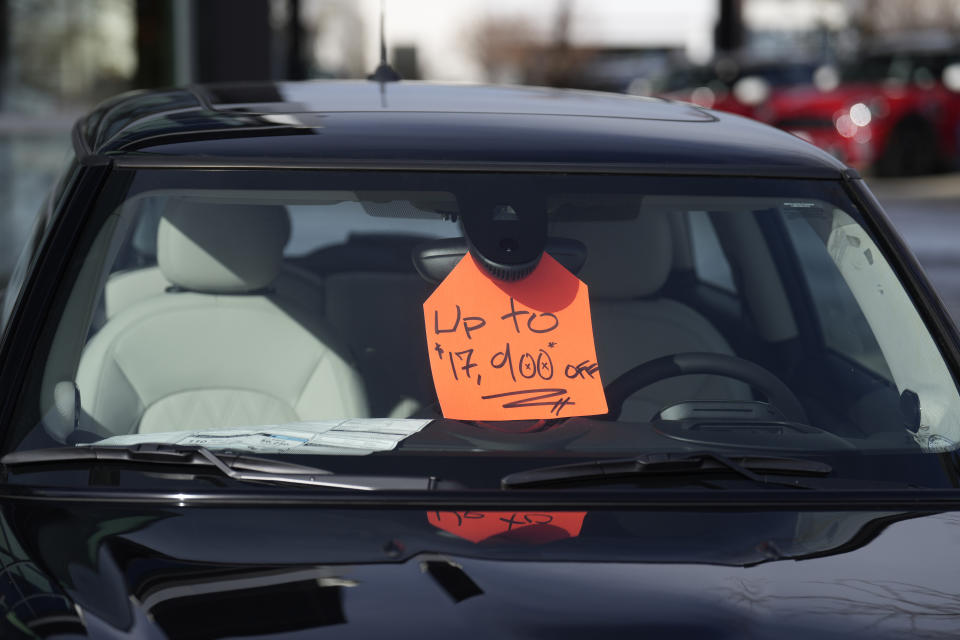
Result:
x=668 y=464
x=237 y=467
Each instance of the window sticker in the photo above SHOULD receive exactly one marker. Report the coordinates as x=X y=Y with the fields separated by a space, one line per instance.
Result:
x=535 y=527
x=357 y=436
x=513 y=350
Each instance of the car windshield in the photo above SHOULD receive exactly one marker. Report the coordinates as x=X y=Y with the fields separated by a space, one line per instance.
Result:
x=278 y=313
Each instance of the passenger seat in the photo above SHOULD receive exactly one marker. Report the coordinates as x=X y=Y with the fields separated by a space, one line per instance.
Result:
x=221 y=346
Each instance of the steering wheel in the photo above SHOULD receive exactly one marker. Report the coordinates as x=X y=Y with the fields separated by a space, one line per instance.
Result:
x=682 y=364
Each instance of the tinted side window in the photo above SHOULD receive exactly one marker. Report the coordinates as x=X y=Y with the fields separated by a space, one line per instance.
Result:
x=709 y=261
x=844 y=328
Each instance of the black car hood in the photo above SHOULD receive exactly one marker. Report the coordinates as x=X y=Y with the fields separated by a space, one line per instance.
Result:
x=208 y=572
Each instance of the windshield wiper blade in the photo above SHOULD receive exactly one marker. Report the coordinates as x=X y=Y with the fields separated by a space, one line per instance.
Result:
x=235 y=466
x=669 y=464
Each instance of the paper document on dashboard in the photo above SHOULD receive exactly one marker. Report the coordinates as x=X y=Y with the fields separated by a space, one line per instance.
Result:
x=326 y=437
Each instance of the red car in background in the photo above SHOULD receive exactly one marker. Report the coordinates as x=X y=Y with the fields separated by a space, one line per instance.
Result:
x=890 y=113
x=732 y=85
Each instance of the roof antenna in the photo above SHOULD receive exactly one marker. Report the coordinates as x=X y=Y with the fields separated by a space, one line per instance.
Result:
x=384 y=72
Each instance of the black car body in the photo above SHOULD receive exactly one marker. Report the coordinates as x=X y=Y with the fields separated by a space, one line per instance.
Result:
x=698 y=524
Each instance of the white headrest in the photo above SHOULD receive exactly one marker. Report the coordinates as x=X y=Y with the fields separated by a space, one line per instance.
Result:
x=625 y=258
x=216 y=248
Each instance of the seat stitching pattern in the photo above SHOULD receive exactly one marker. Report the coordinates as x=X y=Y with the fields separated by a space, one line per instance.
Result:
x=242 y=407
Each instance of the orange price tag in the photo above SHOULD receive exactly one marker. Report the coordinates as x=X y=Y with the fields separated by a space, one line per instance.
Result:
x=513 y=350
x=514 y=526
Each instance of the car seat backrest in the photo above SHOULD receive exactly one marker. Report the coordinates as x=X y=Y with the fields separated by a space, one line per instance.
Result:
x=626 y=259
x=219 y=347
x=628 y=263
x=127 y=288
x=215 y=248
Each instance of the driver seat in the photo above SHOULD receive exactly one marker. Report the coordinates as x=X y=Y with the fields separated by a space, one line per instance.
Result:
x=628 y=263
x=220 y=347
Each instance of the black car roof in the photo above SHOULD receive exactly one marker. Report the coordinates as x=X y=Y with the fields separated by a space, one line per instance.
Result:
x=412 y=124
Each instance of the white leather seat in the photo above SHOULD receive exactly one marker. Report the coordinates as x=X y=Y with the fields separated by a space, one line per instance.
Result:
x=220 y=347
x=628 y=262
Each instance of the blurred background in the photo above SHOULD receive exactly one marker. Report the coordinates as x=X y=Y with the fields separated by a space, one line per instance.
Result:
x=874 y=82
